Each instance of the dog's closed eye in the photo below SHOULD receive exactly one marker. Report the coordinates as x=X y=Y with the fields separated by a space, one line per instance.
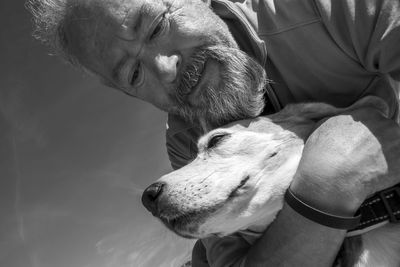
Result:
x=216 y=139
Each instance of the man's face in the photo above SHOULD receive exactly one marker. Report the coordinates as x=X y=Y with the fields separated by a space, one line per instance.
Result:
x=175 y=54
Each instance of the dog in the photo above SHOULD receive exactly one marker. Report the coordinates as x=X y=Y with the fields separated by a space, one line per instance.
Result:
x=238 y=180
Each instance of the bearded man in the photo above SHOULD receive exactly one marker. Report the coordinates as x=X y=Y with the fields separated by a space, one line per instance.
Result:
x=203 y=62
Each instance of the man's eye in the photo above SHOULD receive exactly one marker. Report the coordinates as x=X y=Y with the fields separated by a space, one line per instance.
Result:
x=156 y=31
x=159 y=27
x=135 y=75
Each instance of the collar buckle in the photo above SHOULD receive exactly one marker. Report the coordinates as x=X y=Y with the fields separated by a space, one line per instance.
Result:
x=389 y=198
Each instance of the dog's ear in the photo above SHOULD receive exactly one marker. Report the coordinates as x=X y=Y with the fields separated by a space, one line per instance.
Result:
x=319 y=111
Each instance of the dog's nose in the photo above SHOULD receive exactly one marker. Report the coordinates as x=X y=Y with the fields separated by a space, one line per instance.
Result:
x=150 y=195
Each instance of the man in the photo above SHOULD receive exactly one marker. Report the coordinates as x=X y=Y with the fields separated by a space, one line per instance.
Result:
x=201 y=68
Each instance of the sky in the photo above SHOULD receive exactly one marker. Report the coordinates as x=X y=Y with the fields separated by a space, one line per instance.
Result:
x=74 y=159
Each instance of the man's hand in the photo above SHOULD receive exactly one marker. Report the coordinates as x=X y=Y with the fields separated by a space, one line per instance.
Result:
x=347 y=158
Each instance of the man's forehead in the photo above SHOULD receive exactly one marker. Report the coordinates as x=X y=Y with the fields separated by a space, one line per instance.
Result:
x=114 y=11
x=91 y=25
x=100 y=19
x=109 y=12
x=95 y=27
x=121 y=9
x=134 y=15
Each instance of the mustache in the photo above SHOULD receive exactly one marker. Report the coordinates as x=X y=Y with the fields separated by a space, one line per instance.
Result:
x=192 y=73
x=239 y=93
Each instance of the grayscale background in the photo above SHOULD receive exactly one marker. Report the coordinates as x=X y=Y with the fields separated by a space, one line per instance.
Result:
x=74 y=158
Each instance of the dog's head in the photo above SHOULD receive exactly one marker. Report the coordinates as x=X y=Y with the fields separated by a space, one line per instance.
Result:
x=237 y=180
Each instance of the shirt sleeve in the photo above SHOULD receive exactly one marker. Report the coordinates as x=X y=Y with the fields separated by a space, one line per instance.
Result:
x=181 y=141
x=367 y=30
x=228 y=251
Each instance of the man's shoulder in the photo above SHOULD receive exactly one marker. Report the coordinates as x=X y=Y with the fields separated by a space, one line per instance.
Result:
x=271 y=17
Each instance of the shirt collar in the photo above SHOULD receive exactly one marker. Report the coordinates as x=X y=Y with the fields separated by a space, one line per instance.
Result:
x=242 y=21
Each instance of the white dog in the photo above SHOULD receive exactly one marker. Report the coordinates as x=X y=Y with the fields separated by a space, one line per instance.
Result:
x=241 y=173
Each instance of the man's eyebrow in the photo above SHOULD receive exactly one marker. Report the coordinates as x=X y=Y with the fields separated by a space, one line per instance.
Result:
x=133 y=26
x=116 y=72
x=137 y=23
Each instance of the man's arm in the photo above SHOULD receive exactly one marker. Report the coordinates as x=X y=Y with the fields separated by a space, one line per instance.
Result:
x=347 y=158
x=282 y=245
x=293 y=240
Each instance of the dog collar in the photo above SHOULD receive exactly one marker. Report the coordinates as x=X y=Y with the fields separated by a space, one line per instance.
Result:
x=382 y=208
x=319 y=216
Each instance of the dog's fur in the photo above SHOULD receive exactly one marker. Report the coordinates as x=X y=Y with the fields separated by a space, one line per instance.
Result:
x=241 y=173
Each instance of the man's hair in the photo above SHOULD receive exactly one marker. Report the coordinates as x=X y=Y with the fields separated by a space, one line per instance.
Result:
x=49 y=18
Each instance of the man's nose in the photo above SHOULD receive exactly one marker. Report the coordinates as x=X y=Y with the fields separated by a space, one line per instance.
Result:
x=150 y=195
x=168 y=66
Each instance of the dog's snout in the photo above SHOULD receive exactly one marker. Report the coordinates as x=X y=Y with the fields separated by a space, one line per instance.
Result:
x=150 y=195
